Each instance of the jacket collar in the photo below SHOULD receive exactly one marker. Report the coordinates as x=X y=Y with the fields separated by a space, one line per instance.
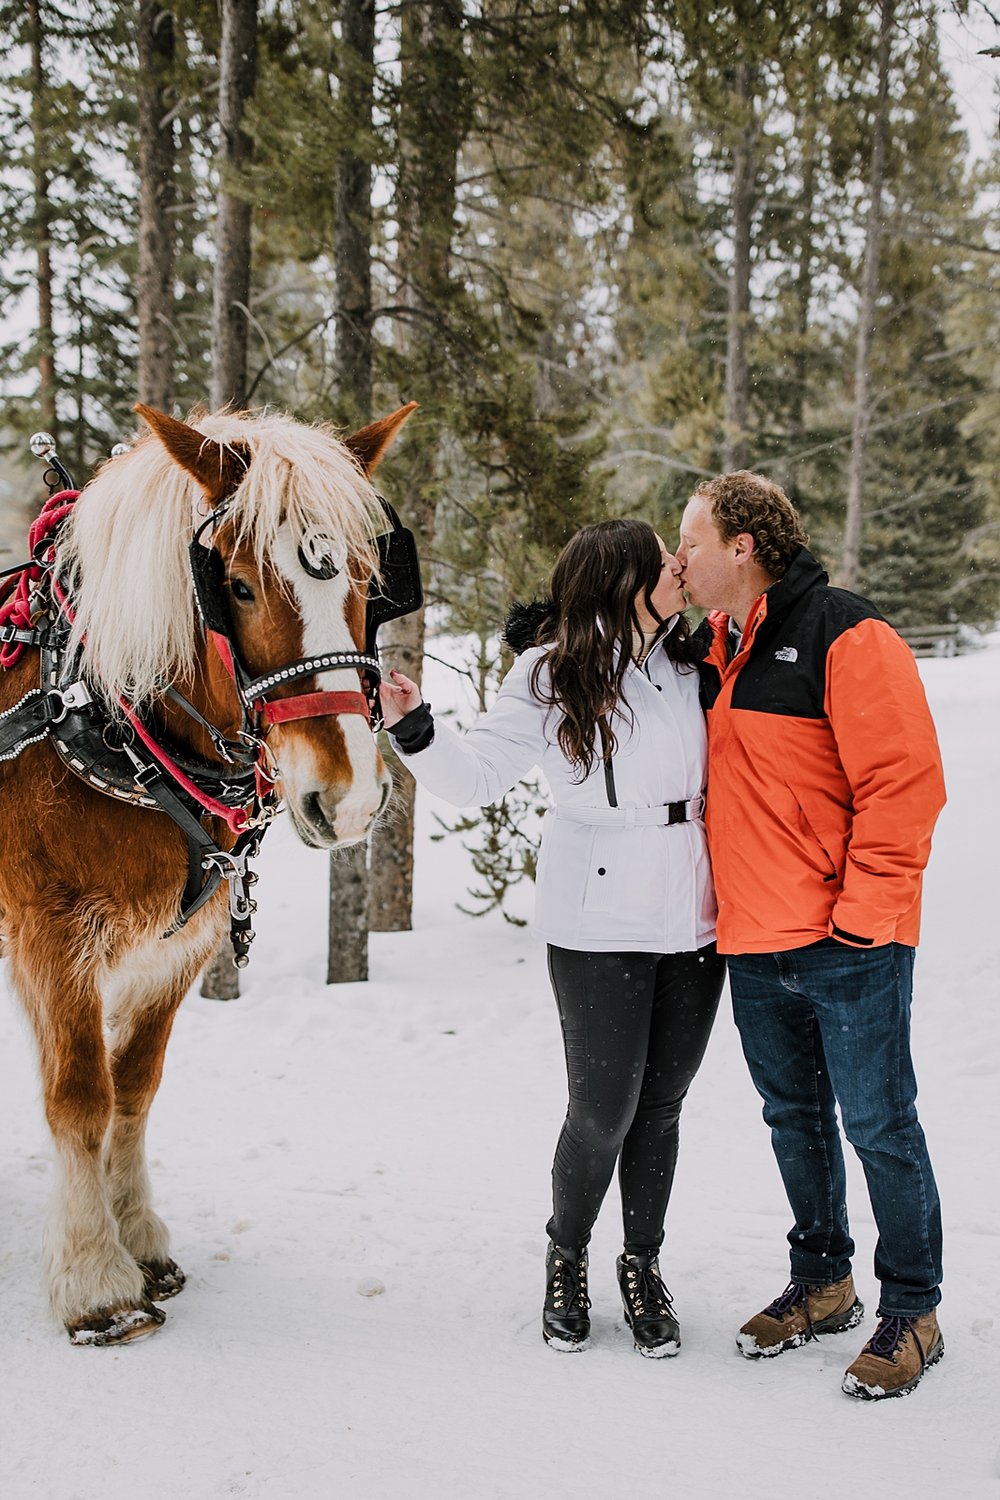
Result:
x=803 y=573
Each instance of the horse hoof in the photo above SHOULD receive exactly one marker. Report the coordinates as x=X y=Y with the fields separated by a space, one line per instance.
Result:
x=123 y=1326
x=162 y=1279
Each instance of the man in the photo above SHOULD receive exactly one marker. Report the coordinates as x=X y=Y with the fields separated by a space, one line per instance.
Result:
x=824 y=785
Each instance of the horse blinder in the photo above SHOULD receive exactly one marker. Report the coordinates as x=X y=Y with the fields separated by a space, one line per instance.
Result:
x=399 y=593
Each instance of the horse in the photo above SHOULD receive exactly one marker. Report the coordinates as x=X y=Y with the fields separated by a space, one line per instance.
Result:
x=183 y=598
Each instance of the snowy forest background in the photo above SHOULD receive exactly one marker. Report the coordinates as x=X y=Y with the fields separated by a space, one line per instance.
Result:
x=608 y=247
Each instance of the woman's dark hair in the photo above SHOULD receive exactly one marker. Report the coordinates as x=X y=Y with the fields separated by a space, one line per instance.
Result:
x=595 y=582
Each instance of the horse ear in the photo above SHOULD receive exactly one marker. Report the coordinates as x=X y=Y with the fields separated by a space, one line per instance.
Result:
x=369 y=444
x=218 y=468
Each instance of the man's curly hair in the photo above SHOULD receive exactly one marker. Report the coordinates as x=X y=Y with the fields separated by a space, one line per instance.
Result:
x=742 y=501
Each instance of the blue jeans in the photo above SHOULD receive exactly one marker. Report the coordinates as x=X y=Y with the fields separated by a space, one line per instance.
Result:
x=827 y=1025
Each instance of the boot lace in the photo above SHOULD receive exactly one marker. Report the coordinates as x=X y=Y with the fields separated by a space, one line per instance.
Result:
x=888 y=1336
x=794 y=1295
x=568 y=1285
x=647 y=1294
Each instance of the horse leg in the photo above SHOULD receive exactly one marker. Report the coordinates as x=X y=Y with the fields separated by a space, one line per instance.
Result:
x=95 y=1285
x=147 y=989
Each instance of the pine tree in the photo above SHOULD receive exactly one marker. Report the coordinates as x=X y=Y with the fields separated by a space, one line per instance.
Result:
x=157 y=201
x=347 y=951
x=926 y=506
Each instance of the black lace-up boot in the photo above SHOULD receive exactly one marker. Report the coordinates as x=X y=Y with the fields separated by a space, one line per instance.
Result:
x=565 y=1317
x=649 y=1310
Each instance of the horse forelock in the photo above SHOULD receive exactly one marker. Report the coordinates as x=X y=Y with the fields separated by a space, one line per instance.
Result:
x=126 y=544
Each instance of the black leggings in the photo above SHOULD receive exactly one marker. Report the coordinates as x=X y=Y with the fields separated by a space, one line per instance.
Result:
x=635 y=1027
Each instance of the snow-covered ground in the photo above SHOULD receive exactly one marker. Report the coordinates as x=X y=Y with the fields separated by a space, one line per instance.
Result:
x=357 y=1183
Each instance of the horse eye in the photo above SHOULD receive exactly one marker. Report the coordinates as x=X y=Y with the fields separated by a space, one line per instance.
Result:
x=242 y=591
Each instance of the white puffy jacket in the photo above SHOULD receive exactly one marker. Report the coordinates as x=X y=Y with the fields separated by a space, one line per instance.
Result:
x=618 y=881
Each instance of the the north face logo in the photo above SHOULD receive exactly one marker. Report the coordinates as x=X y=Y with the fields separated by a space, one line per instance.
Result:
x=787 y=653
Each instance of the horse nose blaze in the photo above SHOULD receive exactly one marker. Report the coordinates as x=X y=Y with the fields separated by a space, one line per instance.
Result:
x=334 y=790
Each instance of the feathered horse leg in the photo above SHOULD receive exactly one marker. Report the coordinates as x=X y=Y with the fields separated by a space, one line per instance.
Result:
x=96 y=1287
x=145 y=992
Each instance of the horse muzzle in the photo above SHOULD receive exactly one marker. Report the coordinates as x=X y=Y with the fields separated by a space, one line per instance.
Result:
x=334 y=818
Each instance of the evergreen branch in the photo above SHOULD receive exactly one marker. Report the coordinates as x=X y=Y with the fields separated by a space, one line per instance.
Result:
x=901 y=419
x=943 y=237
x=459 y=671
x=291 y=343
x=663 y=459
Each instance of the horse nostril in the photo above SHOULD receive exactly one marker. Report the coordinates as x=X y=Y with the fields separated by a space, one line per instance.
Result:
x=312 y=810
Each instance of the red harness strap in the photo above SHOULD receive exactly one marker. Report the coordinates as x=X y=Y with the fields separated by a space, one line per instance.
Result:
x=16 y=607
x=235 y=818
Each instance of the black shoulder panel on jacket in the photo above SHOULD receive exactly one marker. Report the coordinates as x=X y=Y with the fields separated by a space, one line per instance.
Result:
x=525 y=622
x=786 y=669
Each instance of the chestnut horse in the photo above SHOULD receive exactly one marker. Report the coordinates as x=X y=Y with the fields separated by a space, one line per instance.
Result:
x=91 y=883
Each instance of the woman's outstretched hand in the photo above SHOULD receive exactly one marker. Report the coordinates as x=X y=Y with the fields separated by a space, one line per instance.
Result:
x=398 y=697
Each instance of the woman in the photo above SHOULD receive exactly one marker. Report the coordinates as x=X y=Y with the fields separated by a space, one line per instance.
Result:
x=607 y=706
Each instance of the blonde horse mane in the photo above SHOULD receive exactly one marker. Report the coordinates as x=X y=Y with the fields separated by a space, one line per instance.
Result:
x=125 y=547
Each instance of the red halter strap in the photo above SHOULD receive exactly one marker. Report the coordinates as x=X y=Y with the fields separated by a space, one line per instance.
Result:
x=313 y=706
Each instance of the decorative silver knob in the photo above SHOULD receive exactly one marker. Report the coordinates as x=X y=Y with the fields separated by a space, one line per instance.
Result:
x=42 y=444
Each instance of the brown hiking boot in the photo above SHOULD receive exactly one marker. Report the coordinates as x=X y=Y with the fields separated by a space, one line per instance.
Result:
x=894 y=1359
x=800 y=1313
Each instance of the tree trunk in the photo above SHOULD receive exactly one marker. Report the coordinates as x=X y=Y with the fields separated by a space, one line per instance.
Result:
x=851 y=555
x=157 y=227
x=390 y=902
x=734 y=451
x=802 y=293
x=231 y=279
x=353 y=214
x=432 y=125
x=347 y=951
x=42 y=229
x=231 y=292
x=221 y=978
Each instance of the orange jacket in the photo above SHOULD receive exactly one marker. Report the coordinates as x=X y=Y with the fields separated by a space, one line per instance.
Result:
x=825 y=777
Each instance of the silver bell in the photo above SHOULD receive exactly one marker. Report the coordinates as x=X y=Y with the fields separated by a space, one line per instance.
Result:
x=42 y=444
x=121 y=448
x=241 y=960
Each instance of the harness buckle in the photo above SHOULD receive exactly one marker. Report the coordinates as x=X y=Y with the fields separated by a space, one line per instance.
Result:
x=233 y=867
x=266 y=766
x=76 y=696
x=64 y=701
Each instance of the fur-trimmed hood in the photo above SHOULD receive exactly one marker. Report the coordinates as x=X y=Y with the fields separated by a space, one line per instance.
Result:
x=528 y=624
